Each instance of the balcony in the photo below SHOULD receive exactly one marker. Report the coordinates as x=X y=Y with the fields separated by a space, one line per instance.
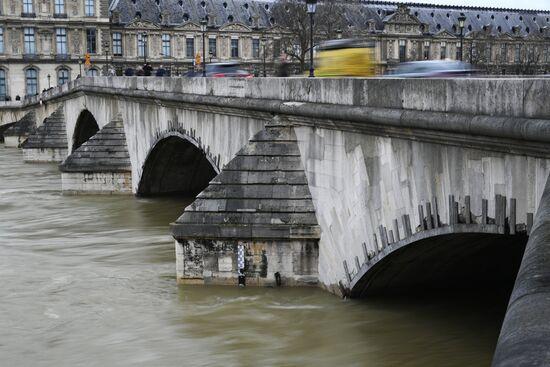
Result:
x=30 y=57
x=62 y=57
x=60 y=16
x=28 y=15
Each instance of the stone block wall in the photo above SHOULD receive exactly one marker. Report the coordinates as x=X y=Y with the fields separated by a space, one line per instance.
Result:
x=45 y=154
x=359 y=182
x=215 y=262
x=97 y=182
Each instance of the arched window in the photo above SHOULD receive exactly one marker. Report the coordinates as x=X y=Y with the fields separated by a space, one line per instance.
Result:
x=92 y=72
x=62 y=76
x=31 y=81
x=3 y=91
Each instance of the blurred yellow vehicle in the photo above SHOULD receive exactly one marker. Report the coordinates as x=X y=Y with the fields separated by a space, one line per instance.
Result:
x=345 y=57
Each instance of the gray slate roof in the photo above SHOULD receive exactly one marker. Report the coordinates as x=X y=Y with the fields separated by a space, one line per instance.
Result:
x=220 y=12
x=441 y=17
x=262 y=194
x=357 y=14
x=51 y=134
x=106 y=151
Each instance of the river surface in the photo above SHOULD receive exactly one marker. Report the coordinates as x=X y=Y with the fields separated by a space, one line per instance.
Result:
x=90 y=281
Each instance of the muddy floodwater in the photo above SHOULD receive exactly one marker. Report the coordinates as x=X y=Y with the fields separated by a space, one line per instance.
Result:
x=90 y=281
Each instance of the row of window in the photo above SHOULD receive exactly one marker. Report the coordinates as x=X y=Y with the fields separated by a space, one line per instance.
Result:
x=31 y=80
x=59 y=7
x=142 y=46
x=29 y=41
x=474 y=51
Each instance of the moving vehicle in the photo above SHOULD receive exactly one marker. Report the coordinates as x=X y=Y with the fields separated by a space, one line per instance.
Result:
x=431 y=69
x=222 y=70
x=345 y=57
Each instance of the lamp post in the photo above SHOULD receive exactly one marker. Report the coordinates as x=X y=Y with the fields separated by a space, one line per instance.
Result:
x=79 y=67
x=144 y=44
x=264 y=42
x=203 y=30
x=339 y=33
x=49 y=81
x=311 y=5
x=461 y=20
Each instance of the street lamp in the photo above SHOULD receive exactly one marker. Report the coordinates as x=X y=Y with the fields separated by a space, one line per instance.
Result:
x=144 y=45
x=461 y=20
x=49 y=81
x=311 y=5
x=339 y=33
x=264 y=42
x=203 y=30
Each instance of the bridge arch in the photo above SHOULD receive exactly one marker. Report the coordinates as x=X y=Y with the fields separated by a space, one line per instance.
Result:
x=455 y=256
x=176 y=164
x=86 y=127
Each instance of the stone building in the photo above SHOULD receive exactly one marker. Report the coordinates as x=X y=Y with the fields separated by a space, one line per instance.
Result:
x=497 y=41
x=42 y=41
x=168 y=33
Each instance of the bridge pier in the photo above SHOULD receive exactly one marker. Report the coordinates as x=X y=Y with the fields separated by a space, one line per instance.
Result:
x=47 y=143
x=101 y=165
x=16 y=134
x=525 y=334
x=260 y=205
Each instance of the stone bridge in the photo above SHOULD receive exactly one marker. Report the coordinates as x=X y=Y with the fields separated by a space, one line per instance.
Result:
x=359 y=186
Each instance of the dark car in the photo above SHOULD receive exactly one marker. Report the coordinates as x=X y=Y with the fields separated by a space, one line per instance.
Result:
x=431 y=69
x=222 y=70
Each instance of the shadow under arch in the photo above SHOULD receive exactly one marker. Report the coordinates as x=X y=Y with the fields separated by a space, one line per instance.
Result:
x=460 y=256
x=176 y=165
x=86 y=127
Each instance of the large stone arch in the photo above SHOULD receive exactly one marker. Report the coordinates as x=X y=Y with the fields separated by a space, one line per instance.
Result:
x=453 y=256
x=86 y=127
x=176 y=164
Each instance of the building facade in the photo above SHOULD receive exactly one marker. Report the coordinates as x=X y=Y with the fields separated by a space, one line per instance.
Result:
x=42 y=42
x=169 y=33
x=495 y=41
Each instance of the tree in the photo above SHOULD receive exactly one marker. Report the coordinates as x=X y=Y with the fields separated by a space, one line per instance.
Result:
x=292 y=17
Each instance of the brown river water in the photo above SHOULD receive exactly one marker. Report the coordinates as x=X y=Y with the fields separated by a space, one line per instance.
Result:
x=90 y=281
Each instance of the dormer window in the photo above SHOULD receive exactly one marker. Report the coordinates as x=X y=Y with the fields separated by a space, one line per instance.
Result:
x=185 y=17
x=230 y=18
x=138 y=14
x=246 y=5
x=224 y=4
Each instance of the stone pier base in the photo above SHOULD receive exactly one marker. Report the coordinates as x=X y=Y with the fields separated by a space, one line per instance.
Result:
x=45 y=154
x=215 y=262
x=14 y=141
x=96 y=182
